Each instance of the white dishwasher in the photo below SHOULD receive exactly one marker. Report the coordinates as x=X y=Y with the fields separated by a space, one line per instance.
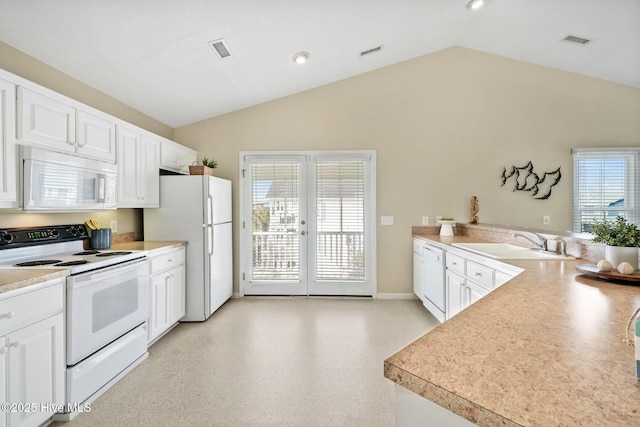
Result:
x=433 y=280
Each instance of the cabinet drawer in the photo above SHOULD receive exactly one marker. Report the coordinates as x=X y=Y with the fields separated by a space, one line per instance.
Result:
x=455 y=263
x=27 y=308
x=167 y=261
x=480 y=274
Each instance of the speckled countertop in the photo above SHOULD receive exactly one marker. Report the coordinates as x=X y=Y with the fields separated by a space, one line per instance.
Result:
x=16 y=278
x=152 y=247
x=544 y=349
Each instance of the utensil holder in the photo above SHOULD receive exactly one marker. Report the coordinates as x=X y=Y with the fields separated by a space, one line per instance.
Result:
x=101 y=238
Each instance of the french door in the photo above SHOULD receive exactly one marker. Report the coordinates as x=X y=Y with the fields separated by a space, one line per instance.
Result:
x=308 y=223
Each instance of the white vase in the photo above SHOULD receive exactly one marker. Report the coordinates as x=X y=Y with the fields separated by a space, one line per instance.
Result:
x=618 y=254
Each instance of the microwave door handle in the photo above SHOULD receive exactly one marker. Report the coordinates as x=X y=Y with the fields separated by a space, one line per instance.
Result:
x=102 y=188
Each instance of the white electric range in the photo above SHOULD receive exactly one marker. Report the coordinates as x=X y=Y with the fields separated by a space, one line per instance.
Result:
x=107 y=304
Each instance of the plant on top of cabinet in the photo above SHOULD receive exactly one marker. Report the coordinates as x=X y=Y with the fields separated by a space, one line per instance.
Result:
x=206 y=168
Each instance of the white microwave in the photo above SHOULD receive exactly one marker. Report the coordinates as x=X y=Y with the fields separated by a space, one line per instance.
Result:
x=61 y=182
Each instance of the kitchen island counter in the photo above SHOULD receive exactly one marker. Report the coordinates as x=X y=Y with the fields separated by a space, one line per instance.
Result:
x=546 y=348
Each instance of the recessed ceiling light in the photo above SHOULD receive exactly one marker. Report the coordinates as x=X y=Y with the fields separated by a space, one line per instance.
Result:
x=475 y=4
x=300 y=57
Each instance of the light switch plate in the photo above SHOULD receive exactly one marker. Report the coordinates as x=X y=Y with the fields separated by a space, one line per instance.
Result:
x=113 y=225
x=425 y=220
x=546 y=220
x=386 y=220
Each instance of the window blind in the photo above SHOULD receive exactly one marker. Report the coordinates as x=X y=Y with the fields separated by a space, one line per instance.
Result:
x=340 y=207
x=275 y=221
x=606 y=185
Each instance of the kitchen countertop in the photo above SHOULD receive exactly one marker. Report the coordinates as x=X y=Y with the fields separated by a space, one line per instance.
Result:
x=546 y=348
x=16 y=278
x=152 y=247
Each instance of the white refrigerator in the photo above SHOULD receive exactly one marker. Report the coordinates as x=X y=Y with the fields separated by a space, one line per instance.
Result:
x=197 y=209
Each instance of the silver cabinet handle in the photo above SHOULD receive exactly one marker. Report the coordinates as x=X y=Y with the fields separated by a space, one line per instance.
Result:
x=303 y=233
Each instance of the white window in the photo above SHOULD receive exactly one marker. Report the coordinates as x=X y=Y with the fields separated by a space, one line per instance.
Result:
x=606 y=185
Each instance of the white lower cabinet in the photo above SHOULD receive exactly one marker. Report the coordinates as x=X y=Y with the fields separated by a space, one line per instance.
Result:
x=32 y=353
x=167 y=292
x=470 y=277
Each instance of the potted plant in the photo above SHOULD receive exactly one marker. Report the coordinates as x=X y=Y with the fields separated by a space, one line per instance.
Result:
x=206 y=168
x=621 y=239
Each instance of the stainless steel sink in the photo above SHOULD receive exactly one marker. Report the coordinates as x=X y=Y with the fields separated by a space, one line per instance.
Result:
x=509 y=251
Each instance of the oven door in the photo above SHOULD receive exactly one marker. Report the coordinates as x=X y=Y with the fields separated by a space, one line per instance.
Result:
x=103 y=305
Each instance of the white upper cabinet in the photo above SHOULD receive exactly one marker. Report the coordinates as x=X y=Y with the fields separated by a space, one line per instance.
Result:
x=56 y=125
x=96 y=137
x=175 y=157
x=138 y=165
x=8 y=177
x=46 y=121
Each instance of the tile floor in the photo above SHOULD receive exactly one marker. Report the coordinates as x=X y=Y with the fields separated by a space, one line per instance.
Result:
x=269 y=362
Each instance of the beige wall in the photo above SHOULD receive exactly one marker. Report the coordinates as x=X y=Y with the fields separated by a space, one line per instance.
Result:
x=18 y=63
x=444 y=125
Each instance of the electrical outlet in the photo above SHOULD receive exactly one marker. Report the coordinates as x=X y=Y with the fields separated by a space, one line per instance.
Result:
x=386 y=220
x=113 y=225
x=546 y=220
x=425 y=220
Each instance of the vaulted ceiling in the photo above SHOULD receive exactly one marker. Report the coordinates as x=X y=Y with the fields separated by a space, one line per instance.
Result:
x=154 y=55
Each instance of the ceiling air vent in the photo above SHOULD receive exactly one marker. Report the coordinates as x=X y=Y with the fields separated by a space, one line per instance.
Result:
x=221 y=48
x=372 y=50
x=578 y=40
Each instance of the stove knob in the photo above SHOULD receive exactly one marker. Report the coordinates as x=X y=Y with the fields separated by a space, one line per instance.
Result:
x=54 y=233
x=74 y=230
x=6 y=238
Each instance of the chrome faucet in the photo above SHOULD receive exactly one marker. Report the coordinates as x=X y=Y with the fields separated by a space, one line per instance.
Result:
x=562 y=244
x=542 y=244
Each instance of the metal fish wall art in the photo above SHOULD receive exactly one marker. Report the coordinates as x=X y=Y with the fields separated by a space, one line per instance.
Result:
x=525 y=179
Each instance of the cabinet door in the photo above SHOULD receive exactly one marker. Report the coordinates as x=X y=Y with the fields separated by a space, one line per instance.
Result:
x=175 y=157
x=96 y=137
x=3 y=379
x=46 y=121
x=127 y=167
x=8 y=177
x=456 y=294
x=148 y=172
x=177 y=306
x=36 y=368
x=159 y=304
x=474 y=292
x=417 y=276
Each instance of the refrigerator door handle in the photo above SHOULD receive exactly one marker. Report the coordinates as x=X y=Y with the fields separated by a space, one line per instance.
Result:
x=210 y=218
x=209 y=228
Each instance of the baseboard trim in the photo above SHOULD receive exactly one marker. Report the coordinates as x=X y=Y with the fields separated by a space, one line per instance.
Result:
x=392 y=295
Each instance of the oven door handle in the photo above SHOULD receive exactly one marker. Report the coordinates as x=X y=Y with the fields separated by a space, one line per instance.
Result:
x=85 y=279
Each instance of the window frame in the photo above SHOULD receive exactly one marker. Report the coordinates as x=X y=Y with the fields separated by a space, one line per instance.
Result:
x=630 y=181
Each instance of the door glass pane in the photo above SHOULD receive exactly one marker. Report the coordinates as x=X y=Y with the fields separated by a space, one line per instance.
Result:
x=275 y=221
x=340 y=207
